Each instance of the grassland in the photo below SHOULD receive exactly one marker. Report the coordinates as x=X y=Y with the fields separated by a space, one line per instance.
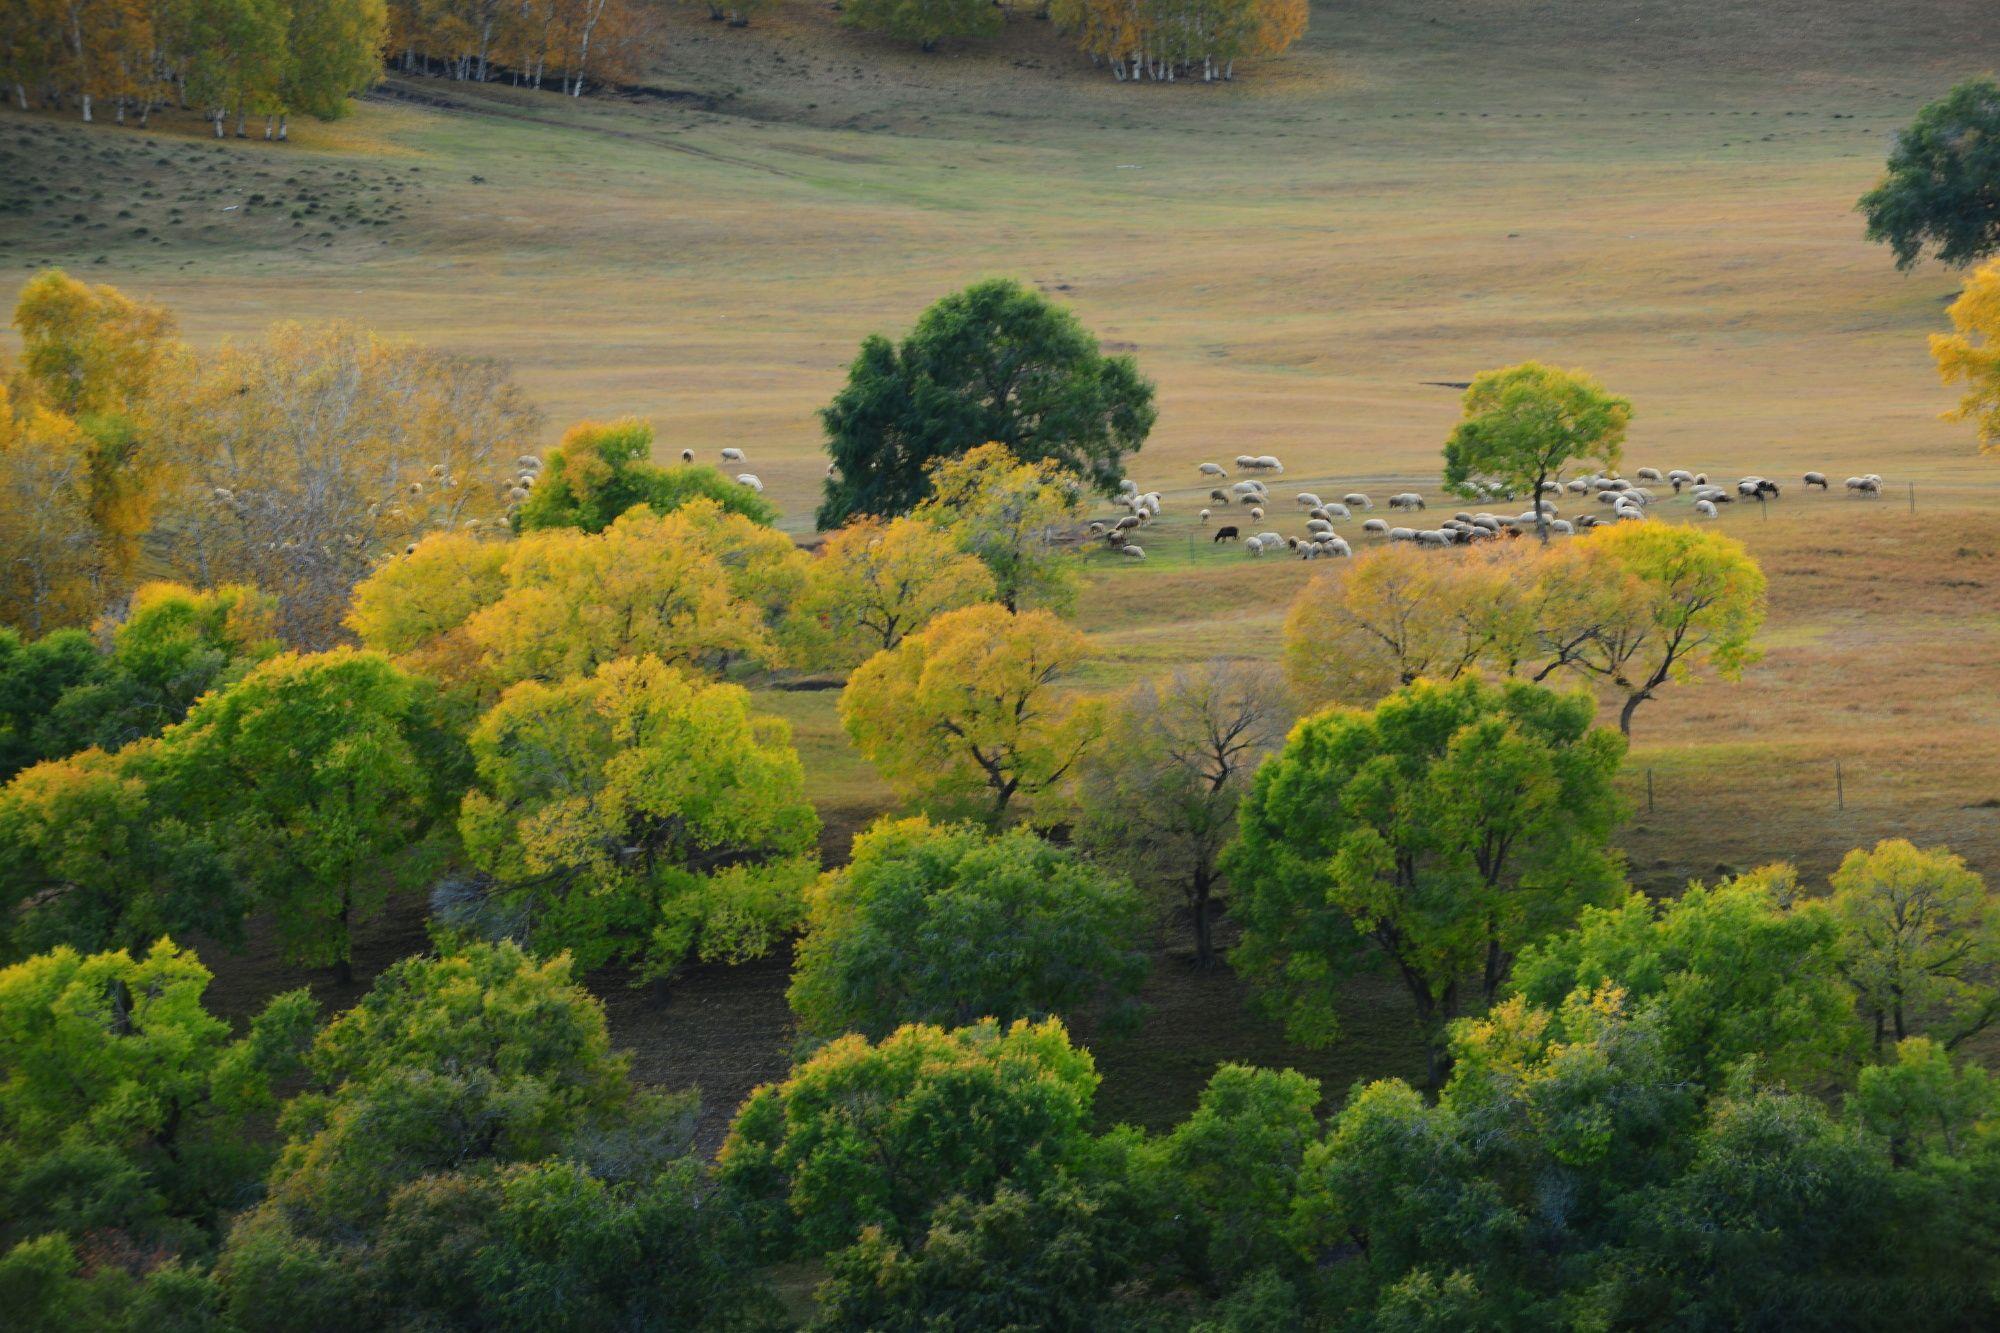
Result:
x=1659 y=191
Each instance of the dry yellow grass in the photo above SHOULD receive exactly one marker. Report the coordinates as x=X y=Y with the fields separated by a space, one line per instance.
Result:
x=1657 y=190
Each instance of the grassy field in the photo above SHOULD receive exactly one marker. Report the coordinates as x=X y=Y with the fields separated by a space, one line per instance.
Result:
x=1661 y=192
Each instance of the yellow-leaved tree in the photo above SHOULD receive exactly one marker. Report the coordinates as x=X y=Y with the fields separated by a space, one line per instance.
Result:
x=968 y=716
x=1008 y=513
x=640 y=813
x=875 y=583
x=1971 y=354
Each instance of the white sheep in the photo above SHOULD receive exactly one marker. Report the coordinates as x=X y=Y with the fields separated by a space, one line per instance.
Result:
x=1375 y=525
x=1357 y=500
x=732 y=456
x=1266 y=463
x=1339 y=511
x=687 y=456
x=1402 y=534
x=1134 y=552
x=1865 y=485
x=750 y=479
x=1705 y=509
x=1336 y=546
x=1271 y=539
x=1212 y=470
x=1307 y=500
x=1815 y=479
x=1649 y=474
x=1127 y=486
x=1254 y=545
x=1204 y=516
x=1247 y=487
x=1563 y=526
x=1407 y=500
x=1434 y=537
x=1256 y=512
x=526 y=462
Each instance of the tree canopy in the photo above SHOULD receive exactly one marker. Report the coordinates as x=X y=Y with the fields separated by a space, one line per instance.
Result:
x=994 y=363
x=1525 y=424
x=600 y=470
x=1937 y=192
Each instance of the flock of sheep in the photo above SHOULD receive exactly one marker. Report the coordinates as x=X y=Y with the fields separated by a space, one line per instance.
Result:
x=1624 y=501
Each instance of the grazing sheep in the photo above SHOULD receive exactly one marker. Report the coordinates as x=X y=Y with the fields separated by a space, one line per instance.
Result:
x=1374 y=525
x=1226 y=533
x=1865 y=485
x=1219 y=497
x=732 y=456
x=1402 y=534
x=1204 y=516
x=1307 y=500
x=1134 y=552
x=527 y=462
x=1126 y=523
x=1246 y=461
x=1337 y=511
x=750 y=479
x=1320 y=512
x=1579 y=486
x=1407 y=500
x=1649 y=474
x=1433 y=537
x=1336 y=546
x=1212 y=470
x=1319 y=527
x=1256 y=513
x=1128 y=487
x=1704 y=509
x=1357 y=500
x=1815 y=479
x=1248 y=487
x=1271 y=539
x=1563 y=526
x=1255 y=546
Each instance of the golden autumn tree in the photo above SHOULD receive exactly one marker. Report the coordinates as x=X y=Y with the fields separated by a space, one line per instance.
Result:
x=875 y=583
x=1172 y=39
x=1398 y=614
x=1008 y=513
x=415 y=607
x=969 y=716
x=1970 y=354
x=52 y=570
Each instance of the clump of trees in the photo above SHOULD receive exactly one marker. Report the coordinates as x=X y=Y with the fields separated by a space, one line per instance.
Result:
x=1629 y=609
x=1178 y=39
x=236 y=59
x=601 y=470
x=574 y=44
x=995 y=363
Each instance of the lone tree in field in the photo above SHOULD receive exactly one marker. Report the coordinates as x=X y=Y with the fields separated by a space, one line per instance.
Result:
x=995 y=363
x=925 y=22
x=1437 y=833
x=1523 y=425
x=1942 y=187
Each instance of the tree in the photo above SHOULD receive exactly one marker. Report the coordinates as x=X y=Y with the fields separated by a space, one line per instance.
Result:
x=993 y=363
x=925 y=22
x=88 y=860
x=1439 y=832
x=325 y=777
x=333 y=52
x=641 y=814
x=863 y=1137
x=1975 y=315
x=1525 y=424
x=1921 y=938
x=600 y=471
x=1672 y=601
x=1938 y=190
x=129 y=1116
x=1159 y=39
x=88 y=351
x=1397 y=615
x=35 y=675
x=1740 y=971
x=965 y=715
x=469 y=1152
x=1161 y=804
x=415 y=607
x=875 y=583
x=316 y=452
x=1006 y=512
x=946 y=925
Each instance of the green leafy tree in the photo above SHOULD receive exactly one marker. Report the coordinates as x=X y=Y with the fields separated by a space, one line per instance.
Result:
x=945 y=925
x=87 y=859
x=1921 y=942
x=129 y=1115
x=925 y=22
x=642 y=814
x=1939 y=188
x=1743 y=971
x=995 y=363
x=863 y=1138
x=1161 y=803
x=600 y=470
x=1007 y=513
x=333 y=52
x=1923 y=1104
x=1525 y=424
x=34 y=676
x=1437 y=833
x=470 y=1152
x=325 y=776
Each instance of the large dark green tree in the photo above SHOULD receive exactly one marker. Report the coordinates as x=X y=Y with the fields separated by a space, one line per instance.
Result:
x=1942 y=187
x=1436 y=833
x=993 y=363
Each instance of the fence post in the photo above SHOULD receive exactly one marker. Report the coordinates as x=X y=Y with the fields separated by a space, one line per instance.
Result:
x=1839 y=787
x=1649 y=791
x=1913 y=497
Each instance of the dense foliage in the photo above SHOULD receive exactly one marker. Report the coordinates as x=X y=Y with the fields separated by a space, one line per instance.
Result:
x=994 y=363
x=1938 y=190
x=599 y=471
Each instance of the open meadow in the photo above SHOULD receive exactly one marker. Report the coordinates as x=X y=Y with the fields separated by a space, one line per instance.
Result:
x=1306 y=261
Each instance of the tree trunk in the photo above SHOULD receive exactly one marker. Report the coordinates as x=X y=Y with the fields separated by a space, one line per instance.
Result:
x=1632 y=702
x=86 y=108
x=284 y=127
x=1204 y=924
